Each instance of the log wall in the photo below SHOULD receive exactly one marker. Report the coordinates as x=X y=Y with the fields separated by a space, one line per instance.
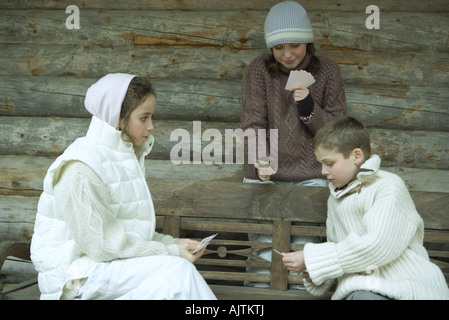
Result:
x=195 y=52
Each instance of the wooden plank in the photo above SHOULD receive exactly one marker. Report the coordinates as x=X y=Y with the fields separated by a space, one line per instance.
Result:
x=17 y=270
x=235 y=276
x=392 y=107
x=216 y=199
x=219 y=200
x=399 y=106
x=30 y=293
x=215 y=5
x=281 y=242
x=417 y=149
x=435 y=235
x=9 y=248
x=23 y=174
x=401 y=31
x=222 y=225
x=17 y=215
x=98 y=60
x=180 y=99
x=224 y=292
x=234 y=29
x=262 y=202
x=42 y=136
x=211 y=62
x=171 y=226
x=387 y=68
x=398 y=32
x=19 y=286
x=233 y=263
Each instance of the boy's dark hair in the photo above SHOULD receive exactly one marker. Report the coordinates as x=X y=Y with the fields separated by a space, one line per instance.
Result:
x=139 y=90
x=343 y=135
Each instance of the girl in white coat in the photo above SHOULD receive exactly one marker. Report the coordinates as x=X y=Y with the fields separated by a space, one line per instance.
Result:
x=94 y=234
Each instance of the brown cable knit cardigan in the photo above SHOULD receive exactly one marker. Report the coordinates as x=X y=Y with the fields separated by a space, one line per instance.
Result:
x=267 y=105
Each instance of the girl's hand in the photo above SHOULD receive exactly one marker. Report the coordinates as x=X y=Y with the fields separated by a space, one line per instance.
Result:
x=294 y=261
x=186 y=246
x=299 y=93
x=263 y=172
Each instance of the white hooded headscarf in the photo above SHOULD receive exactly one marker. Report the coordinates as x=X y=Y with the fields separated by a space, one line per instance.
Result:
x=105 y=97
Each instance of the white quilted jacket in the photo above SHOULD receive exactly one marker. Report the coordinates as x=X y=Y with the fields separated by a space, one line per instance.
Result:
x=54 y=253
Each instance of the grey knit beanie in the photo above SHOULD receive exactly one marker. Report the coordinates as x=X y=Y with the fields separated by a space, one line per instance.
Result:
x=287 y=22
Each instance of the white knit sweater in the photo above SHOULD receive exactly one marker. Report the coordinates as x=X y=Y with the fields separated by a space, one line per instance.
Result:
x=375 y=242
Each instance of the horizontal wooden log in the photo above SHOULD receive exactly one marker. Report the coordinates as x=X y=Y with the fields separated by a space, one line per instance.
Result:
x=51 y=136
x=139 y=28
x=17 y=215
x=386 y=68
x=399 y=107
x=98 y=60
x=23 y=175
x=233 y=200
x=392 y=107
x=400 y=31
x=177 y=99
x=218 y=199
x=325 y=5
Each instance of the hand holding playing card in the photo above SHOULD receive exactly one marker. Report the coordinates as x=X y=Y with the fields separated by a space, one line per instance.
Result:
x=203 y=243
x=298 y=81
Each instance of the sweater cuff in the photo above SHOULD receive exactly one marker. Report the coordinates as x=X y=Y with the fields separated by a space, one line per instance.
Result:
x=173 y=250
x=305 y=107
x=322 y=262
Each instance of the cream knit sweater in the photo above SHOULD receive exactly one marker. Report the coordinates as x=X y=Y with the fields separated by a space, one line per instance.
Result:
x=375 y=242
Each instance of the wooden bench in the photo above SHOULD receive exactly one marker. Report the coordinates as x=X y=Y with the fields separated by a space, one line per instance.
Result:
x=235 y=208
x=187 y=208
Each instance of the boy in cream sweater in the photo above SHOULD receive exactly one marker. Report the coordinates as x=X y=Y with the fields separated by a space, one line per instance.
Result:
x=374 y=233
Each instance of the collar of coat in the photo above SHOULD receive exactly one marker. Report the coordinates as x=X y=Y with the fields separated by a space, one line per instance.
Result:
x=366 y=174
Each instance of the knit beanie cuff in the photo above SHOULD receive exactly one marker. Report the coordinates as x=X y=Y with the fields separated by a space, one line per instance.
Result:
x=288 y=36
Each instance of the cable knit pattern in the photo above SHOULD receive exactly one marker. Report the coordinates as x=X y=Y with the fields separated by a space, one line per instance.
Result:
x=267 y=105
x=373 y=225
x=86 y=201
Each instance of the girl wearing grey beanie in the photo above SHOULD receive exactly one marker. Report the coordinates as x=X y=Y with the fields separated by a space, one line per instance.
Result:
x=297 y=114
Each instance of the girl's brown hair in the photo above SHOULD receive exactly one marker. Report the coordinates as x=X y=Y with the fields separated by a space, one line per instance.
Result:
x=273 y=66
x=139 y=90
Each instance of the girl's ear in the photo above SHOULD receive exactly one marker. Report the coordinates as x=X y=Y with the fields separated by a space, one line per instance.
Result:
x=358 y=156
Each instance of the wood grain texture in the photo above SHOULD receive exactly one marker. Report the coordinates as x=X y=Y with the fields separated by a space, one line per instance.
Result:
x=51 y=136
x=392 y=107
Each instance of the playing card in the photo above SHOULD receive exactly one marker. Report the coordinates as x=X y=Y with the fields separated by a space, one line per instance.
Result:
x=204 y=243
x=301 y=77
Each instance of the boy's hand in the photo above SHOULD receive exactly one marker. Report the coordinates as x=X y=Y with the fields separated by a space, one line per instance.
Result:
x=294 y=261
x=306 y=277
